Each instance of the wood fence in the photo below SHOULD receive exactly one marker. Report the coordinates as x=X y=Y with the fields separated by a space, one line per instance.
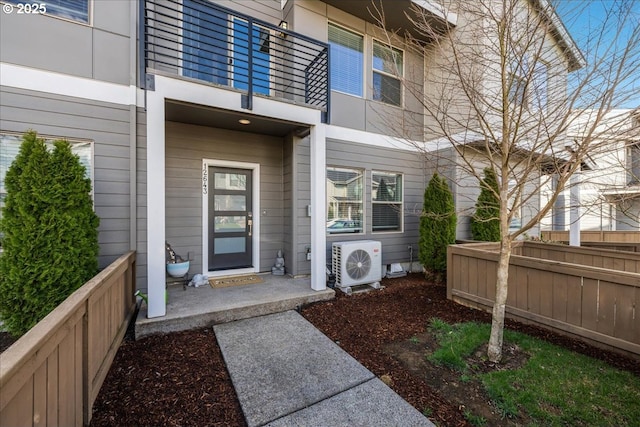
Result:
x=53 y=373
x=616 y=240
x=588 y=292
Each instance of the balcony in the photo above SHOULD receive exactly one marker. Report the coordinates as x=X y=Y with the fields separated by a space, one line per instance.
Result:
x=208 y=43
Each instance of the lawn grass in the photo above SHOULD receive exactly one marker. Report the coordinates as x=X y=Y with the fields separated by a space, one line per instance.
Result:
x=555 y=387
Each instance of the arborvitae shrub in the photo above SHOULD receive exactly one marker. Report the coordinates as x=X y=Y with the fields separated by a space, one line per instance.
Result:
x=50 y=243
x=485 y=223
x=437 y=225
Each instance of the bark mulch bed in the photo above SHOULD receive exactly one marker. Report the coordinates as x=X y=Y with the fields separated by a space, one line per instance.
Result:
x=180 y=379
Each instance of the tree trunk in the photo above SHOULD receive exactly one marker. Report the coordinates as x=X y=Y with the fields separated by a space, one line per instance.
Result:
x=494 y=351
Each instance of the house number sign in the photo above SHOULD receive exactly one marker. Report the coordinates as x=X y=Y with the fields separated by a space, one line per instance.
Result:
x=205 y=179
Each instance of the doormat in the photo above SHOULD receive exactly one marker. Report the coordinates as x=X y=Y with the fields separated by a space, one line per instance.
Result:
x=224 y=282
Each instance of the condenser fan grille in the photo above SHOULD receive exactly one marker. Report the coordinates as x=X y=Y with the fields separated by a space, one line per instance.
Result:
x=358 y=264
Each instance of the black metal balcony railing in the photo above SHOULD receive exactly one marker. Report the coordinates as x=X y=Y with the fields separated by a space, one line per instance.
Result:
x=207 y=42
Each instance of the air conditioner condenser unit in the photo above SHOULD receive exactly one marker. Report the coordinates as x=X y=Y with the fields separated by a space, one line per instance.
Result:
x=357 y=262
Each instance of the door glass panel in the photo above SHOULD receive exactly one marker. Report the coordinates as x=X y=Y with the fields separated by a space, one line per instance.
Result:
x=230 y=181
x=229 y=245
x=230 y=224
x=227 y=202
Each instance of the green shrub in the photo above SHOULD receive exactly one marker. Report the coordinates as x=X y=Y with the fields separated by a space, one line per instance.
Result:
x=485 y=223
x=50 y=244
x=437 y=225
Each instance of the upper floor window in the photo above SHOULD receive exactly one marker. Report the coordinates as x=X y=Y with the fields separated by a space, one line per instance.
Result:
x=347 y=57
x=517 y=85
x=73 y=10
x=515 y=203
x=540 y=86
x=386 y=200
x=633 y=164
x=387 y=71
x=344 y=200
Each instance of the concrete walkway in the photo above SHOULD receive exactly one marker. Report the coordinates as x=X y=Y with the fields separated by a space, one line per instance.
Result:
x=287 y=373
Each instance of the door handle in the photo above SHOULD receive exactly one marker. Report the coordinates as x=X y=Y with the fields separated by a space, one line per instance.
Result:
x=250 y=224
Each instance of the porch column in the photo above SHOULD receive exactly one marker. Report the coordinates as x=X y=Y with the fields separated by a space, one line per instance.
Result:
x=318 y=207
x=574 y=213
x=156 y=276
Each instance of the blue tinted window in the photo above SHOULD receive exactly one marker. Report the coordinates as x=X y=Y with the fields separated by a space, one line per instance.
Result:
x=74 y=10
x=206 y=45
x=346 y=60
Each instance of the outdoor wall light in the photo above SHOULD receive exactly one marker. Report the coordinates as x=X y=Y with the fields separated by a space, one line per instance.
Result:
x=284 y=25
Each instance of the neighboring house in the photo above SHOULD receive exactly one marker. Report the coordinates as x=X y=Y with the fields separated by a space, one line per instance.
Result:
x=230 y=129
x=610 y=177
x=537 y=54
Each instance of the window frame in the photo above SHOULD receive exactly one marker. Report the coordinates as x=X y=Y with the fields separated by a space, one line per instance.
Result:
x=375 y=172
x=384 y=73
x=88 y=22
x=517 y=81
x=633 y=163
x=362 y=91
x=49 y=139
x=517 y=90
x=515 y=203
x=337 y=216
x=540 y=80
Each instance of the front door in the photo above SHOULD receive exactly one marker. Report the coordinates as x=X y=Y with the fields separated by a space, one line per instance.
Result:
x=230 y=218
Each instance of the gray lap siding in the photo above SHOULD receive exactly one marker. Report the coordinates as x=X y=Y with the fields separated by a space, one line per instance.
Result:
x=107 y=125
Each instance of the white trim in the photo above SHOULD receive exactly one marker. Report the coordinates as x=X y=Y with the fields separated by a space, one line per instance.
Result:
x=318 y=159
x=62 y=84
x=255 y=241
x=361 y=137
x=198 y=93
x=156 y=212
x=437 y=10
x=558 y=25
x=181 y=90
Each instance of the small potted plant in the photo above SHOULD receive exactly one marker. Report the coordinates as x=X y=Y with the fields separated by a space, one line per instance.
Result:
x=176 y=266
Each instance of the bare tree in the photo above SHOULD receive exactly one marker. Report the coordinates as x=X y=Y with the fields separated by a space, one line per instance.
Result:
x=503 y=85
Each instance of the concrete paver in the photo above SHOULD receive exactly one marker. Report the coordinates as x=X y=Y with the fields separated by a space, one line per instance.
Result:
x=286 y=372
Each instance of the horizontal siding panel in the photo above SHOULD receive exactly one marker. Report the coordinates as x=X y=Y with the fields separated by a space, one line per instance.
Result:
x=61 y=120
x=113 y=149
x=76 y=118
x=113 y=200
x=112 y=212
x=113 y=237
x=41 y=101
x=43 y=104
x=104 y=187
x=113 y=224
x=266 y=10
x=190 y=192
x=115 y=164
